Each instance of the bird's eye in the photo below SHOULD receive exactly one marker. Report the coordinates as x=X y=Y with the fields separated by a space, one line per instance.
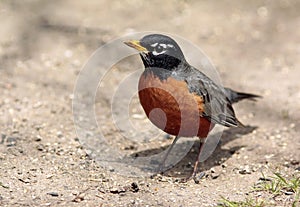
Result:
x=159 y=50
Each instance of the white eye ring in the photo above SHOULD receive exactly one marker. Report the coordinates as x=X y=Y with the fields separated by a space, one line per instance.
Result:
x=158 y=53
x=161 y=48
x=161 y=45
x=154 y=45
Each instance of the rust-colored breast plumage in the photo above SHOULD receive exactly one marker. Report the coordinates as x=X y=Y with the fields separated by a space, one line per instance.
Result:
x=171 y=107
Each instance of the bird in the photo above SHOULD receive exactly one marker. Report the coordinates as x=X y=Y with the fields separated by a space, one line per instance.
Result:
x=177 y=97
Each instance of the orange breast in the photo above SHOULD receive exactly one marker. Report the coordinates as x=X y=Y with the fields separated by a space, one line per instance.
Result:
x=171 y=107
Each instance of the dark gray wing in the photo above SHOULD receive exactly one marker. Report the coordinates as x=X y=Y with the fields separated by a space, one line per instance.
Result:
x=217 y=106
x=235 y=96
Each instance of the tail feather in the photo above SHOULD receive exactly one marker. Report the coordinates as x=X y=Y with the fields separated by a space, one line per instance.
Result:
x=234 y=96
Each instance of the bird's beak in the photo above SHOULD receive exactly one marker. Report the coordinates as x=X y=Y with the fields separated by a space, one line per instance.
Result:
x=136 y=45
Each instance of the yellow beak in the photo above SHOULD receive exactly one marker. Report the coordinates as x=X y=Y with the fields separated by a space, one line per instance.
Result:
x=136 y=45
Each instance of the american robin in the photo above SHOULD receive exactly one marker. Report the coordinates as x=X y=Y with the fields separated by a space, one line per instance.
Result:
x=178 y=98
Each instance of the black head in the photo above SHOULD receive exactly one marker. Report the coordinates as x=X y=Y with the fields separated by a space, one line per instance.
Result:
x=158 y=51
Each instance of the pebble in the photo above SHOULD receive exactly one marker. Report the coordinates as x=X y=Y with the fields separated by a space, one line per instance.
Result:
x=130 y=147
x=265 y=179
x=38 y=138
x=269 y=156
x=59 y=134
x=3 y=136
x=11 y=141
x=54 y=194
x=288 y=193
x=49 y=176
x=40 y=147
x=37 y=105
x=295 y=162
x=117 y=190
x=215 y=175
x=78 y=199
x=134 y=187
x=111 y=169
x=245 y=170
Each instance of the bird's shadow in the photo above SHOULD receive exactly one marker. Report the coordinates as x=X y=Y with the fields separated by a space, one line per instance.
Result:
x=184 y=167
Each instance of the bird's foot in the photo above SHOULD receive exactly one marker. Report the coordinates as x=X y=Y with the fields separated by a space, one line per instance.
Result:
x=193 y=176
x=198 y=177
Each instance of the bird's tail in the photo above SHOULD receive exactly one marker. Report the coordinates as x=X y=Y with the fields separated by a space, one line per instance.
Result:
x=235 y=96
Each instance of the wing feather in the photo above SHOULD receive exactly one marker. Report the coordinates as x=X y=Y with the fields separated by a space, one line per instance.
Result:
x=217 y=106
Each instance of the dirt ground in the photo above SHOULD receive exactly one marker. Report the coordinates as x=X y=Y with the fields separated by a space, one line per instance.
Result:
x=255 y=46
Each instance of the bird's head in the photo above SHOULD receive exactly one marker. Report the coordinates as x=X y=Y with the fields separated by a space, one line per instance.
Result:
x=158 y=51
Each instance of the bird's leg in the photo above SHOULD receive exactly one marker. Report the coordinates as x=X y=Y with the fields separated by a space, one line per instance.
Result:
x=193 y=175
x=167 y=154
x=202 y=142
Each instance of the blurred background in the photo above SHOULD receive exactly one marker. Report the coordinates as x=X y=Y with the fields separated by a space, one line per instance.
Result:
x=255 y=46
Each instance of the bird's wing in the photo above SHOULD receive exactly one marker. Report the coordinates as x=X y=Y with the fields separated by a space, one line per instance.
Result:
x=235 y=96
x=217 y=106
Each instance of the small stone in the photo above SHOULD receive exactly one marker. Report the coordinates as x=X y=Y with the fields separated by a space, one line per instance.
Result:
x=37 y=105
x=269 y=156
x=288 y=193
x=4 y=186
x=59 y=134
x=40 y=147
x=38 y=138
x=245 y=170
x=265 y=179
x=224 y=165
x=38 y=127
x=26 y=180
x=117 y=191
x=11 y=141
x=215 y=175
x=130 y=147
x=134 y=187
x=111 y=169
x=162 y=178
x=15 y=131
x=78 y=199
x=295 y=162
x=49 y=176
x=3 y=136
x=54 y=194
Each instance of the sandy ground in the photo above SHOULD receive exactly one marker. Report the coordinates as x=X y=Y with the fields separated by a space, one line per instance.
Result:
x=255 y=46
